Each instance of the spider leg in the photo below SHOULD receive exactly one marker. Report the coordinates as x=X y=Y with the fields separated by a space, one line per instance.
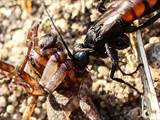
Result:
x=82 y=100
x=23 y=65
x=8 y=68
x=23 y=79
x=71 y=105
x=33 y=37
x=55 y=71
x=29 y=109
x=29 y=84
x=33 y=43
x=85 y=102
x=59 y=110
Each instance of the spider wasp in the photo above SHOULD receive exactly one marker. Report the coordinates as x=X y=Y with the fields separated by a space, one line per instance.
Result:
x=107 y=35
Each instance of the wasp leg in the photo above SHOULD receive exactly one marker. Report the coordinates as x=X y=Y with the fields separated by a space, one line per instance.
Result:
x=101 y=8
x=129 y=28
x=131 y=72
x=29 y=109
x=150 y=21
x=114 y=67
x=85 y=102
x=114 y=59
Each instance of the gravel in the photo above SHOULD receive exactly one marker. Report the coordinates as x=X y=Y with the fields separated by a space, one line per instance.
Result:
x=3 y=102
x=10 y=109
x=114 y=101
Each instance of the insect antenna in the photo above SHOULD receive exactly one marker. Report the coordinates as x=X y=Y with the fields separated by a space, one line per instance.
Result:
x=62 y=40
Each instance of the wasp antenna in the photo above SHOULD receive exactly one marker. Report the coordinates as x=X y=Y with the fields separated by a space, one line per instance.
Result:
x=62 y=40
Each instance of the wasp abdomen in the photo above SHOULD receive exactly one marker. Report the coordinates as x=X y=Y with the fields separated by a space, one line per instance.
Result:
x=140 y=9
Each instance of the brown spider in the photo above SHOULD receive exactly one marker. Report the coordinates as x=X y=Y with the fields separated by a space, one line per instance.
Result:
x=46 y=69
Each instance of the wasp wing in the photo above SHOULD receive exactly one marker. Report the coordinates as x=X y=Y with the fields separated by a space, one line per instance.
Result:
x=114 y=11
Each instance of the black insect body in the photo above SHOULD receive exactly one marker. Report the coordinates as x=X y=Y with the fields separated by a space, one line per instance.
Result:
x=107 y=35
x=116 y=21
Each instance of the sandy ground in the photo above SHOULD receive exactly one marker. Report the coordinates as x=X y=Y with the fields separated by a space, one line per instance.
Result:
x=114 y=101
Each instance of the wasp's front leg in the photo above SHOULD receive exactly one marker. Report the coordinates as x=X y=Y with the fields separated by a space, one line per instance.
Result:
x=85 y=102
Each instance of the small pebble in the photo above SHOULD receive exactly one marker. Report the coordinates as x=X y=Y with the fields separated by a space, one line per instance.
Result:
x=102 y=104
x=5 y=114
x=33 y=118
x=153 y=55
x=12 y=98
x=99 y=83
x=23 y=107
x=41 y=98
x=44 y=106
x=15 y=103
x=3 y=53
x=102 y=71
x=5 y=11
x=16 y=116
x=29 y=99
x=39 y=104
x=4 y=90
x=134 y=113
x=94 y=15
x=2 y=101
x=62 y=23
x=17 y=93
x=37 y=111
x=89 y=4
x=154 y=40
x=10 y=109
x=19 y=38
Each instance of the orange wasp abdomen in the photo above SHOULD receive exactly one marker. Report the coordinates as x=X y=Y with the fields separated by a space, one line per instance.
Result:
x=140 y=9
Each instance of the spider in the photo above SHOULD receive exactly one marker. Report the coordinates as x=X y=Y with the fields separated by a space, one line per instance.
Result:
x=46 y=69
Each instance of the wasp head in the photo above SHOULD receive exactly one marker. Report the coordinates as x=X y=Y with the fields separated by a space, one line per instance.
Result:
x=81 y=60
